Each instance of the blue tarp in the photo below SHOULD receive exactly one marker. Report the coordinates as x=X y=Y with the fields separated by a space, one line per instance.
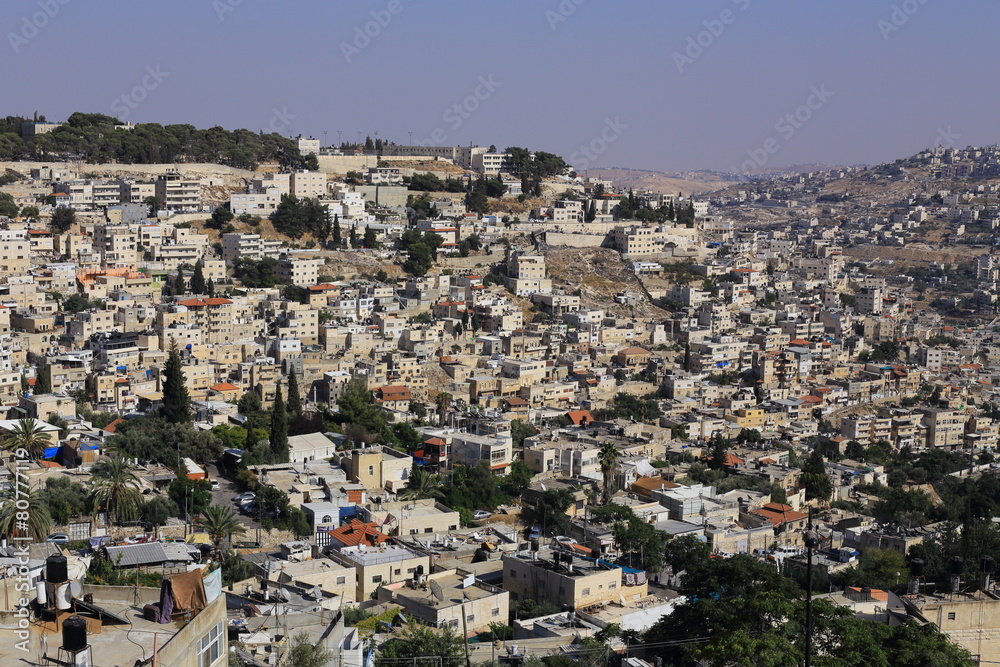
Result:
x=50 y=452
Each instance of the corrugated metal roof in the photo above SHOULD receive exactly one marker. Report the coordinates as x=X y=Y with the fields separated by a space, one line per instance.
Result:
x=147 y=553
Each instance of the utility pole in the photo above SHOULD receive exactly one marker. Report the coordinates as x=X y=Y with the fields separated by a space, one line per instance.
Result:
x=811 y=542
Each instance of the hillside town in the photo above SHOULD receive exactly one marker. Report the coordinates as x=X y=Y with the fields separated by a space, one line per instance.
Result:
x=414 y=404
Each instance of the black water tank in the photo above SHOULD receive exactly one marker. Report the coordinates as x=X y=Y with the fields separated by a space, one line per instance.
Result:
x=986 y=564
x=957 y=565
x=74 y=632
x=917 y=567
x=56 y=570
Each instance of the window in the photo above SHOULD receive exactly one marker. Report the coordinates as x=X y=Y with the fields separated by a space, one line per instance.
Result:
x=951 y=616
x=341 y=580
x=612 y=585
x=210 y=646
x=470 y=618
x=495 y=613
x=397 y=571
x=377 y=579
x=585 y=591
x=429 y=530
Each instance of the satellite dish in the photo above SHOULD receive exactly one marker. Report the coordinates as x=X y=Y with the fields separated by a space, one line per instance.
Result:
x=75 y=588
x=436 y=591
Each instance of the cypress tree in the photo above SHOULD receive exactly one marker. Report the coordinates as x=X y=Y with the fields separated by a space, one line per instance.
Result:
x=179 y=283
x=591 y=211
x=294 y=399
x=354 y=236
x=176 y=404
x=43 y=380
x=198 y=279
x=336 y=231
x=210 y=287
x=279 y=429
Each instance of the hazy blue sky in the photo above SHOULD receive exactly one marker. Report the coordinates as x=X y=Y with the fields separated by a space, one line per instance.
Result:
x=559 y=72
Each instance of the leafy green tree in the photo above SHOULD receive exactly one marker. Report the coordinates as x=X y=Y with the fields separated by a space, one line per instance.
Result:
x=294 y=404
x=198 y=285
x=64 y=499
x=156 y=439
x=419 y=641
x=551 y=509
x=193 y=495
x=221 y=216
x=176 y=403
x=877 y=568
x=279 y=428
x=256 y=273
x=304 y=652
x=814 y=478
x=8 y=208
x=370 y=239
x=337 y=238
x=519 y=430
x=62 y=220
x=157 y=510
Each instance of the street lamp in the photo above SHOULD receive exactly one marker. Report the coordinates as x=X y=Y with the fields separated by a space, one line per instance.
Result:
x=811 y=541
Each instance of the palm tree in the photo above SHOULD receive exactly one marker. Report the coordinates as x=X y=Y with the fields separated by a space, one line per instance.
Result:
x=29 y=435
x=219 y=522
x=608 y=458
x=39 y=521
x=442 y=401
x=116 y=489
x=422 y=484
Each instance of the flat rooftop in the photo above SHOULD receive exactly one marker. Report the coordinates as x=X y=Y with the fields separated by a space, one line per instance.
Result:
x=378 y=555
x=451 y=589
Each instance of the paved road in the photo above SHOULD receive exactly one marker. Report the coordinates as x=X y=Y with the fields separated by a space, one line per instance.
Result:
x=224 y=497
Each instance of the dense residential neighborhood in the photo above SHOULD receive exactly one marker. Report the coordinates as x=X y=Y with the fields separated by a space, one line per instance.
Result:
x=467 y=403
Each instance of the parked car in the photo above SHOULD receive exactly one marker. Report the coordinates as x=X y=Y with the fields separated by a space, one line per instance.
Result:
x=249 y=508
x=58 y=538
x=244 y=497
x=536 y=532
x=214 y=484
x=480 y=515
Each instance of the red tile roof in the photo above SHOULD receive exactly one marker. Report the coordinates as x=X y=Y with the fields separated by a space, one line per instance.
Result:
x=354 y=533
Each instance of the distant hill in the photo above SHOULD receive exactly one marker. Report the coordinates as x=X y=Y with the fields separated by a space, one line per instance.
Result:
x=686 y=183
